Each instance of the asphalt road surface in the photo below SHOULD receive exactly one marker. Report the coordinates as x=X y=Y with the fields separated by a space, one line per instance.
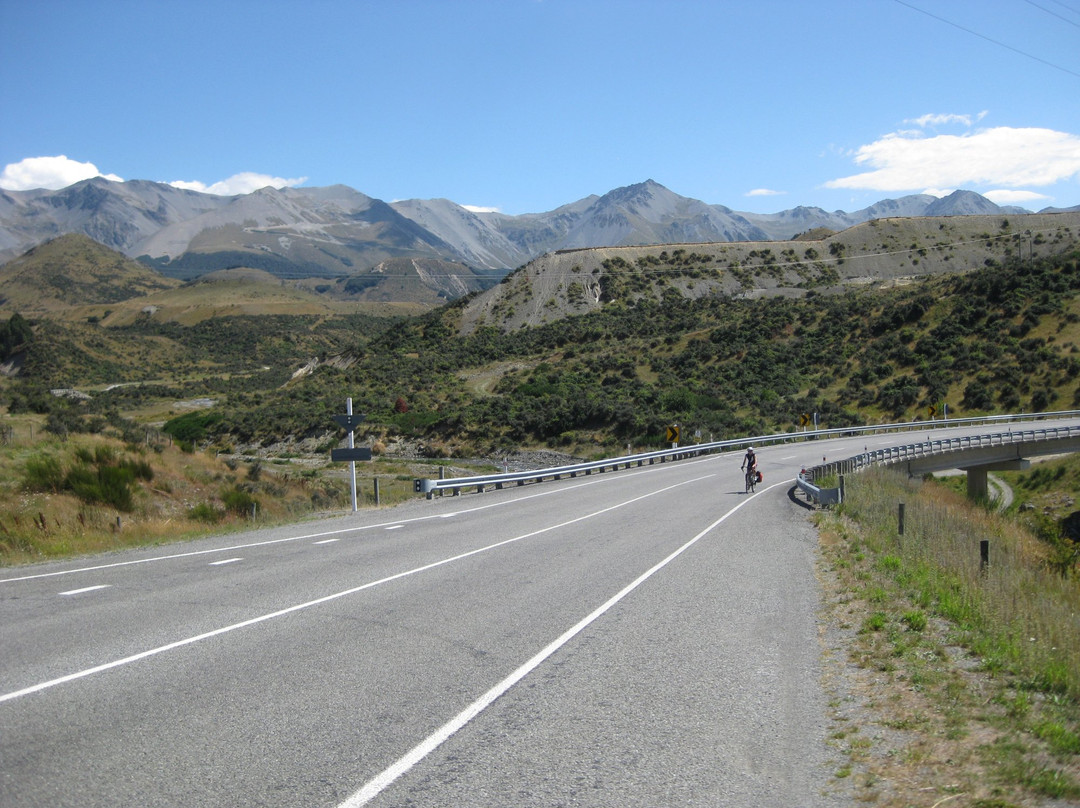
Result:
x=645 y=637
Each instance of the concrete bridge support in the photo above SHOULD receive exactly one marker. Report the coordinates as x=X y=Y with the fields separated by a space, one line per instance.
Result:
x=976 y=475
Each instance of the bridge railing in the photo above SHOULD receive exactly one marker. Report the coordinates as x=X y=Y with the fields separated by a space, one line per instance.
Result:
x=484 y=481
x=940 y=446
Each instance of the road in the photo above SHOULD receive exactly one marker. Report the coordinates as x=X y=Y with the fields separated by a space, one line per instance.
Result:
x=639 y=638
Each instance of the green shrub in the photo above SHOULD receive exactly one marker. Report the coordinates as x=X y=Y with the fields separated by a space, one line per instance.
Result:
x=204 y=512
x=43 y=474
x=239 y=501
x=875 y=622
x=915 y=620
x=109 y=485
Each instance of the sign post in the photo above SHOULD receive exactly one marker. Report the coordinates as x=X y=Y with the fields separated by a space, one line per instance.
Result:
x=349 y=422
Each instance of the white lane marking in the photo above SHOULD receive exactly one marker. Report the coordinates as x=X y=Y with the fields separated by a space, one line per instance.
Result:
x=225 y=561
x=85 y=589
x=380 y=782
x=395 y=527
x=26 y=691
x=233 y=548
x=327 y=541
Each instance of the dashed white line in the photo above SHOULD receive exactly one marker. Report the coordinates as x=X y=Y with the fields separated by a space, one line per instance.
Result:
x=71 y=677
x=326 y=541
x=85 y=589
x=286 y=539
x=225 y=561
x=395 y=527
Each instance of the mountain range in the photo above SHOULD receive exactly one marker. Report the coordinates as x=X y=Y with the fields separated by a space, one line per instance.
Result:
x=337 y=232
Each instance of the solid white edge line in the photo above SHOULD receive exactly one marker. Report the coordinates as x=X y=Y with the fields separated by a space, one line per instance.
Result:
x=381 y=781
x=325 y=599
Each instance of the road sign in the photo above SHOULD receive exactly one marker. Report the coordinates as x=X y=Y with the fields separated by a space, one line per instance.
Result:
x=348 y=422
x=673 y=433
x=931 y=411
x=804 y=419
x=354 y=454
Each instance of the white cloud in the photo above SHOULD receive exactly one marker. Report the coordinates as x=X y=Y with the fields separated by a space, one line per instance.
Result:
x=480 y=209
x=48 y=172
x=1012 y=197
x=942 y=119
x=1002 y=156
x=243 y=183
x=764 y=192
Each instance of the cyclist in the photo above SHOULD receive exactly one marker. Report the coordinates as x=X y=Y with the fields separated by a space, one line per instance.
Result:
x=749 y=464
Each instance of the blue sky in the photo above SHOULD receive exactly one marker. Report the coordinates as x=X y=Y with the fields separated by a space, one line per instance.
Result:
x=525 y=105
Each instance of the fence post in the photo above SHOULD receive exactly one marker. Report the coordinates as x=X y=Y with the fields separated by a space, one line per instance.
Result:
x=900 y=520
x=984 y=555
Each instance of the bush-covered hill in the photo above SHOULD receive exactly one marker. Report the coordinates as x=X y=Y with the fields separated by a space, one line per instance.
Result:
x=895 y=250
x=1001 y=338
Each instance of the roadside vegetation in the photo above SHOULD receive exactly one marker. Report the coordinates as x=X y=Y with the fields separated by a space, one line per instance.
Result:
x=967 y=676
x=76 y=494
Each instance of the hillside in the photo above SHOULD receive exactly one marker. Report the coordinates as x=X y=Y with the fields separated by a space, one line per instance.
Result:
x=882 y=251
x=1000 y=338
x=986 y=322
x=71 y=271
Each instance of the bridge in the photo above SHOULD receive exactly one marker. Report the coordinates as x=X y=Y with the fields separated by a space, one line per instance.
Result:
x=974 y=454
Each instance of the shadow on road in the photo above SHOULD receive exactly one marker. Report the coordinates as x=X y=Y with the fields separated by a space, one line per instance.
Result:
x=800 y=502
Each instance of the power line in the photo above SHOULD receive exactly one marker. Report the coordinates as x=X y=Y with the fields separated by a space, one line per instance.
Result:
x=988 y=39
x=1053 y=13
x=1067 y=6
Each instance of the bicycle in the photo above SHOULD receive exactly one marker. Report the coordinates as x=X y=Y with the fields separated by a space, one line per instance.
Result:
x=751 y=480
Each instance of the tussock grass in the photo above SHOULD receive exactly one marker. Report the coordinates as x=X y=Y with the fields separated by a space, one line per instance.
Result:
x=970 y=674
x=1016 y=613
x=51 y=507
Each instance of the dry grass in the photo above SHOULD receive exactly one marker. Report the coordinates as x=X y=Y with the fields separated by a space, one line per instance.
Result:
x=190 y=494
x=954 y=684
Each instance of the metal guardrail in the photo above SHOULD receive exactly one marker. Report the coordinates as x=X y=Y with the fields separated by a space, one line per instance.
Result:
x=498 y=481
x=822 y=496
x=483 y=481
x=941 y=446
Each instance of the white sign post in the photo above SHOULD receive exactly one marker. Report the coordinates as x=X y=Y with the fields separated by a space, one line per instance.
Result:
x=352 y=454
